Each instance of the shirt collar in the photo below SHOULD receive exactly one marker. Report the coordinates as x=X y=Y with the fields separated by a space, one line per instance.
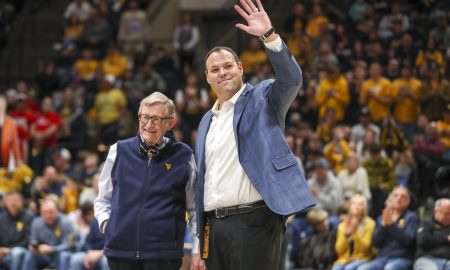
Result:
x=233 y=99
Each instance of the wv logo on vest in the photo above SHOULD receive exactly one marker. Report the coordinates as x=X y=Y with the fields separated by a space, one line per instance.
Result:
x=168 y=166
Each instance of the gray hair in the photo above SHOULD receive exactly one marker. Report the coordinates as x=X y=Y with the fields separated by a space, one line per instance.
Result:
x=158 y=97
x=441 y=202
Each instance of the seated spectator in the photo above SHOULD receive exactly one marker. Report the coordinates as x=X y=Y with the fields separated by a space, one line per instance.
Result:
x=354 y=236
x=433 y=239
x=354 y=179
x=313 y=247
x=15 y=225
x=325 y=187
x=430 y=55
x=434 y=94
x=51 y=236
x=395 y=234
x=81 y=8
x=363 y=147
x=91 y=258
x=49 y=183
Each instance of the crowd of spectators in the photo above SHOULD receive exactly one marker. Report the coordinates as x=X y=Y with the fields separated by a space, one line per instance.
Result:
x=371 y=119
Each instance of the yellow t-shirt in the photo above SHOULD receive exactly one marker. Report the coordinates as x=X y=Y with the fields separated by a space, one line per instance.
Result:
x=338 y=102
x=114 y=65
x=250 y=58
x=380 y=88
x=86 y=68
x=313 y=26
x=406 y=110
x=109 y=105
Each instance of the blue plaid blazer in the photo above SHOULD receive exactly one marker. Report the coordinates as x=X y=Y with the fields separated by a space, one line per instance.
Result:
x=258 y=123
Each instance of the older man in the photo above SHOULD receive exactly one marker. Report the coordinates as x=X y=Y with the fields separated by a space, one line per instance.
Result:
x=145 y=188
x=395 y=234
x=433 y=239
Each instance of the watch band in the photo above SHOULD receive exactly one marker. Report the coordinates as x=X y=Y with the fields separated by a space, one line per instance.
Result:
x=264 y=36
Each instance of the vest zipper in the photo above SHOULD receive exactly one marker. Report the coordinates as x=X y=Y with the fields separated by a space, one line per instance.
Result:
x=140 y=209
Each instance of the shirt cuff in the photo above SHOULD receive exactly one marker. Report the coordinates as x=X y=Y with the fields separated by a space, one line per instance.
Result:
x=102 y=218
x=275 y=45
x=195 y=245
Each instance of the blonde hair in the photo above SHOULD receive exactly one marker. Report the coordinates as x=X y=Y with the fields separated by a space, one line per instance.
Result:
x=363 y=200
x=158 y=97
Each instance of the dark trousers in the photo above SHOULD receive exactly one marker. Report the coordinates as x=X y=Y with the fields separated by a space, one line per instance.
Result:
x=250 y=241
x=125 y=264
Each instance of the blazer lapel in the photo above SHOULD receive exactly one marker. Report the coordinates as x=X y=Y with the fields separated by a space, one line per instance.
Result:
x=239 y=108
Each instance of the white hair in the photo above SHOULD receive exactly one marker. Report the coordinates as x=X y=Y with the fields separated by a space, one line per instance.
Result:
x=158 y=97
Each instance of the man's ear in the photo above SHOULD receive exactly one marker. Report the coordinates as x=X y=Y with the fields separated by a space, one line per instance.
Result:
x=172 y=122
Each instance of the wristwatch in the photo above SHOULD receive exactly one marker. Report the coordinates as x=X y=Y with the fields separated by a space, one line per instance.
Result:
x=264 y=36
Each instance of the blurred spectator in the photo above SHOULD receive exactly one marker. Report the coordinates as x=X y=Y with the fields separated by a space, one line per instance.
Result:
x=441 y=33
x=356 y=10
x=313 y=246
x=393 y=69
x=325 y=187
x=395 y=234
x=51 y=236
x=164 y=64
x=86 y=66
x=327 y=123
x=404 y=167
x=110 y=105
x=81 y=8
x=294 y=29
x=263 y=72
x=81 y=220
x=337 y=150
x=434 y=94
x=97 y=34
x=73 y=32
x=381 y=177
x=359 y=130
x=354 y=179
x=443 y=127
x=363 y=147
x=253 y=57
x=391 y=137
x=185 y=42
x=192 y=102
x=44 y=135
x=386 y=23
x=355 y=80
x=10 y=145
x=375 y=93
x=115 y=63
x=433 y=238
x=404 y=48
x=405 y=94
x=47 y=80
x=19 y=179
x=73 y=130
x=15 y=225
x=31 y=103
x=134 y=30
x=354 y=236
x=145 y=81
x=333 y=93
x=323 y=59
x=316 y=19
x=430 y=55
x=89 y=194
x=91 y=257
x=49 y=183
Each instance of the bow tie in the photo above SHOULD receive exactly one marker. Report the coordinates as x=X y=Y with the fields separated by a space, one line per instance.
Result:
x=148 y=151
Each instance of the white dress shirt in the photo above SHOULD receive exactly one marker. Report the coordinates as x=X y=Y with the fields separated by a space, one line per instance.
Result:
x=226 y=183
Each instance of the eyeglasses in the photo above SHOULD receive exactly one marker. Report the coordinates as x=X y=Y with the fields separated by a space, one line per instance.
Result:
x=156 y=120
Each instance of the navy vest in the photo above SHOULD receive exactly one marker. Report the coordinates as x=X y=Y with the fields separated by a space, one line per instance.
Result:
x=148 y=204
